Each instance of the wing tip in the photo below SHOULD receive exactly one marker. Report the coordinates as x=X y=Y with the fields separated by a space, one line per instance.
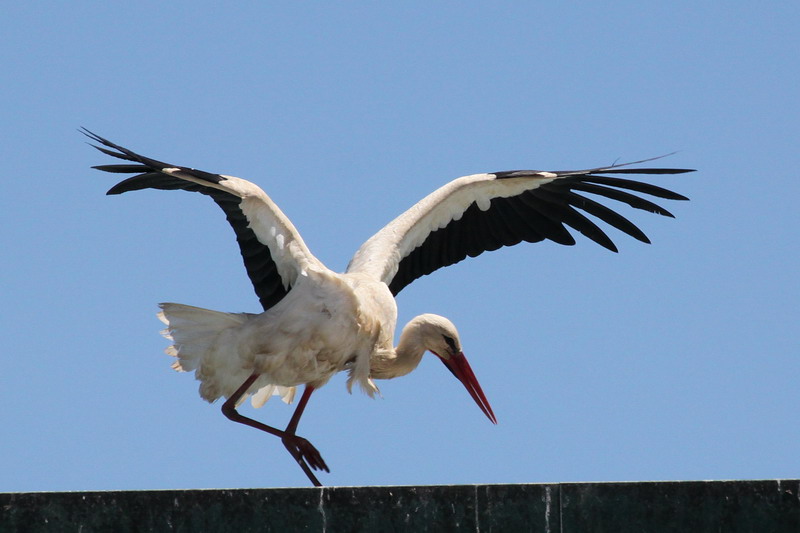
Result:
x=96 y=138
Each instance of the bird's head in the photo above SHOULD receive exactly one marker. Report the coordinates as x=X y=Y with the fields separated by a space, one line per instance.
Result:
x=439 y=336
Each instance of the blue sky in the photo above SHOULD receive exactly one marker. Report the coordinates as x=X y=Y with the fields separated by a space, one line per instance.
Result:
x=676 y=360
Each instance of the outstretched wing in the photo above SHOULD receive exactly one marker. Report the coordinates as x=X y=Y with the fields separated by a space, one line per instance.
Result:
x=483 y=212
x=274 y=254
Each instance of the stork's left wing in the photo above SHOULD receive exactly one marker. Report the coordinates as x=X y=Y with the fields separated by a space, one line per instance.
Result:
x=483 y=212
x=274 y=254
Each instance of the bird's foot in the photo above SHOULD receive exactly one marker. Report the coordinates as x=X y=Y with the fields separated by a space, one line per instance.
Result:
x=306 y=456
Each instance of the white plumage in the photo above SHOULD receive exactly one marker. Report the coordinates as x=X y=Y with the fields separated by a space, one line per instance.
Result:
x=224 y=349
x=317 y=322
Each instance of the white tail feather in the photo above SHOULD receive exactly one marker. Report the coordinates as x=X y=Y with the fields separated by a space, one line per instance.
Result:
x=194 y=331
x=264 y=394
x=204 y=341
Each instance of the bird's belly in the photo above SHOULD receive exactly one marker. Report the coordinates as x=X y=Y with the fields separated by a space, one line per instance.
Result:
x=305 y=343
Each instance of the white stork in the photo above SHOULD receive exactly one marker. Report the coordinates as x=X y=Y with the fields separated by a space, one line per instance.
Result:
x=317 y=322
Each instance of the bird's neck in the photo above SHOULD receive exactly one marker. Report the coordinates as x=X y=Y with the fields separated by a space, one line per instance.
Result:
x=403 y=359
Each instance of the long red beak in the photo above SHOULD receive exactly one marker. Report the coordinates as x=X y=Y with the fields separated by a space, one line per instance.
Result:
x=460 y=368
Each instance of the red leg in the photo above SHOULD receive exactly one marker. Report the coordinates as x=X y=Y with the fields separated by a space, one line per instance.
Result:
x=298 y=412
x=303 y=451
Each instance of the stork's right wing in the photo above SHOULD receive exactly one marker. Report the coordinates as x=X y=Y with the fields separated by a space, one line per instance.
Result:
x=274 y=254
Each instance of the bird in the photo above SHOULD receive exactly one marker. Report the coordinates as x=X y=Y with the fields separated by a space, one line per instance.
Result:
x=316 y=322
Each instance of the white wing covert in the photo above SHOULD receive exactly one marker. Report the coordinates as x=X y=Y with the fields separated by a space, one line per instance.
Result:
x=483 y=212
x=273 y=252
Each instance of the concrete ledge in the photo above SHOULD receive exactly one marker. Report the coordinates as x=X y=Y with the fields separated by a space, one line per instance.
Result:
x=729 y=506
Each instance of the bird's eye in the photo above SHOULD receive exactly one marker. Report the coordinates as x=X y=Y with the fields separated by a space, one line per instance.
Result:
x=450 y=343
